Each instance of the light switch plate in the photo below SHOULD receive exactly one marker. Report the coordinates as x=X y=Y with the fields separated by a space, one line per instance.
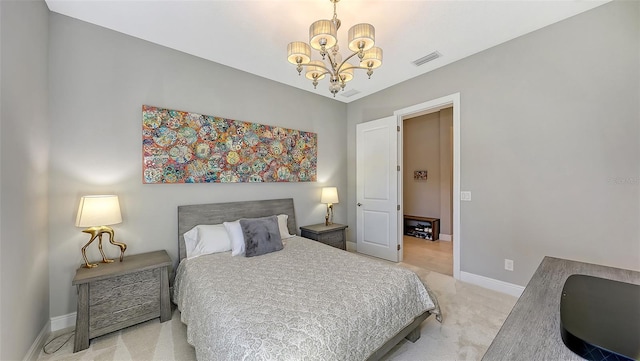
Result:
x=465 y=196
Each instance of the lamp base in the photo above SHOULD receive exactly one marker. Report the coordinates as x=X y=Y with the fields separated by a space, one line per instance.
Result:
x=328 y=219
x=97 y=232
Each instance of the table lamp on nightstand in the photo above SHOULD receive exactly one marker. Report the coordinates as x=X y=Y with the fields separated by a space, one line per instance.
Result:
x=329 y=196
x=97 y=213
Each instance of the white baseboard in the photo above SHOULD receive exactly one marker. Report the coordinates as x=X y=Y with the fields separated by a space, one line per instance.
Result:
x=444 y=237
x=34 y=350
x=351 y=246
x=62 y=322
x=482 y=281
x=492 y=284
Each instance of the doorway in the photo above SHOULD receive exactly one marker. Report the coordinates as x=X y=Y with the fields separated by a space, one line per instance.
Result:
x=389 y=185
x=450 y=101
x=428 y=190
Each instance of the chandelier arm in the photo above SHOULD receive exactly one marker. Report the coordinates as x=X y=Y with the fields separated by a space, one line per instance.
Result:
x=345 y=60
x=354 y=67
x=327 y=71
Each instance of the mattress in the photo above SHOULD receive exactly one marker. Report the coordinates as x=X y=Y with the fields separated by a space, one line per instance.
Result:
x=308 y=301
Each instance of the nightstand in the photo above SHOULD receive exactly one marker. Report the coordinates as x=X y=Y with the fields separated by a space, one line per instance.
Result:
x=333 y=235
x=116 y=295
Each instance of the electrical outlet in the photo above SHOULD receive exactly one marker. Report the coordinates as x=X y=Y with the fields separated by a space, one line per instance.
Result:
x=508 y=264
x=465 y=196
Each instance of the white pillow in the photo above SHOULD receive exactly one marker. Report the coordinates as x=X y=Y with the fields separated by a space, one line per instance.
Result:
x=191 y=240
x=282 y=225
x=206 y=239
x=234 y=230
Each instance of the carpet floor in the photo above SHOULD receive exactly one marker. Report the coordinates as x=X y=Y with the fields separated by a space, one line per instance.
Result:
x=472 y=317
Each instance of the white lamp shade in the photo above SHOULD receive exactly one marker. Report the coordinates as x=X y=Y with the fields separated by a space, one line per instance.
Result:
x=315 y=70
x=322 y=31
x=372 y=58
x=101 y=210
x=362 y=35
x=329 y=195
x=346 y=74
x=298 y=50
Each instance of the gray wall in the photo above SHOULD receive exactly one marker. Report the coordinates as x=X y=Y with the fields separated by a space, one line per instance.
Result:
x=24 y=251
x=549 y=143
x=99 y=81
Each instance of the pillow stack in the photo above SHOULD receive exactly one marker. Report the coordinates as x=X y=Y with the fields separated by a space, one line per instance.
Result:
x=245 y=237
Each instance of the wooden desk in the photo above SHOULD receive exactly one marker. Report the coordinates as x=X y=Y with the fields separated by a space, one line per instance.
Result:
x=532 y=330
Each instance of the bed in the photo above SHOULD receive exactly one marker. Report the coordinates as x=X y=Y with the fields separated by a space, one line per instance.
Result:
x=307 y=301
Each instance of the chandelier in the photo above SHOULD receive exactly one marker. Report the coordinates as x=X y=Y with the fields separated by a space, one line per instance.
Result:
x=323 y=38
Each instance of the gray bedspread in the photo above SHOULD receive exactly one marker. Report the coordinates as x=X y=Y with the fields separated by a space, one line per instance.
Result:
x=308 y=301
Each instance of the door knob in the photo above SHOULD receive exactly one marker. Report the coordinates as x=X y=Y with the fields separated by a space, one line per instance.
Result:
x=359 y=204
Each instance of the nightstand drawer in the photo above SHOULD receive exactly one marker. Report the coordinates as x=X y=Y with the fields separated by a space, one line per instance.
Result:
x=111 y=316
x=125 y=287
x=337 y=244
x=332 y=237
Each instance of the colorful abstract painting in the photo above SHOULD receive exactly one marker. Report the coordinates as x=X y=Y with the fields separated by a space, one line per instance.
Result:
x=183 y=147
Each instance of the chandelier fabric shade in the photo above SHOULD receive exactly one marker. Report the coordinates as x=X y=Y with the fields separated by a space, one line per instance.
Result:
x=372 y=58
x=323 y=34
x=323 y=38
x=315 y=70
x=346 y=74
x=298 y=52
x=362 y=36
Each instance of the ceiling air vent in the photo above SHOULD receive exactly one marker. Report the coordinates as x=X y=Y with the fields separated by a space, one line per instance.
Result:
x=349 y=93
x=425 y=59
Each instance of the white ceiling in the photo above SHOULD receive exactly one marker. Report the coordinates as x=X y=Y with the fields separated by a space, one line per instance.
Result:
x=253 y=35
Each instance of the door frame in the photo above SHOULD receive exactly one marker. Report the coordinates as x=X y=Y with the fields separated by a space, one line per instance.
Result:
x=421 y=109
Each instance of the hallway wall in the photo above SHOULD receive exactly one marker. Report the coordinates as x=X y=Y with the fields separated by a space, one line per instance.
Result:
x=427 y=145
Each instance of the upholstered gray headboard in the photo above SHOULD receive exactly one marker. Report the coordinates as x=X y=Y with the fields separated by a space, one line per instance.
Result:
x=190 y=216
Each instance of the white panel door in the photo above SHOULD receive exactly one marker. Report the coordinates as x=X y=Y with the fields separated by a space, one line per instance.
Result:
x=377 y=214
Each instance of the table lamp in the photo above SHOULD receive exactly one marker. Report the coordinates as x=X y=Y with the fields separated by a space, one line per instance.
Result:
x=97 y=213
x=329 y=196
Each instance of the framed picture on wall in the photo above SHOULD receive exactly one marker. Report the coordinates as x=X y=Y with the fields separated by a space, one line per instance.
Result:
x=186 y=147
x=420 y=174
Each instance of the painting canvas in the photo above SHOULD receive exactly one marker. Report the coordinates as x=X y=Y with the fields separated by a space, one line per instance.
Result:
x=184 y=147
x=420 y=175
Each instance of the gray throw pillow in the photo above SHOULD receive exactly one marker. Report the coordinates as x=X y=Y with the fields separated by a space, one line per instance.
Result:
x=261 y=235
